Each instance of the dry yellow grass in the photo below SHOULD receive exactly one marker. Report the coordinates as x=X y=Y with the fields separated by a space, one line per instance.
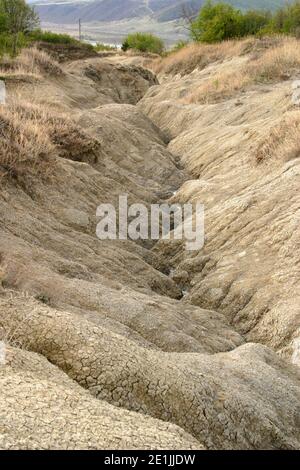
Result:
x=32 y=137
x=221 y=86
x=25 y=147
x=275 y=64
x=30 y=64
x=199 y=56
x=33 y=58
x=70 y=140
x=283 y=142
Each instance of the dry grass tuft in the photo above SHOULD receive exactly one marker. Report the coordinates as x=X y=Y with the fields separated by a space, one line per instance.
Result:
x=222 y=86
x=193 y=56
x=278 y=63
x=32 y=137
x=34 y=58
x=30 y=64
x=25 y=147
x=70 y=140
x=283 y=142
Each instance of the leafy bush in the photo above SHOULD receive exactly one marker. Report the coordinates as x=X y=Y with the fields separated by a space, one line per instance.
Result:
x=143 y=42
x=59 y=40
x=53 y=38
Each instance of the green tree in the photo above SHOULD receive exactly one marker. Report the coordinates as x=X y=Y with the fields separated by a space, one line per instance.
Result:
x=216 y=22
x=19 y=18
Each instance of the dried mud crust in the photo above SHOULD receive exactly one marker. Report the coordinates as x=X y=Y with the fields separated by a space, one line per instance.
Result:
x=247 y=398
x=41 y=408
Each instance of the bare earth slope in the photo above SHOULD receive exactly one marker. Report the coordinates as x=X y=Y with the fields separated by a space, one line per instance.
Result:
x=249 y=268
x=127 y=352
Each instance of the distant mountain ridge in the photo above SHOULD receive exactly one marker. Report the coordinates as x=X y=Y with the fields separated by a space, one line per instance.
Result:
x=68 y=11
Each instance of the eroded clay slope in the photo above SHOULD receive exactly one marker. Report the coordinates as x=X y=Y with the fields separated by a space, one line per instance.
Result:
x=249 y=267
x=49 y=246
x=109 y=316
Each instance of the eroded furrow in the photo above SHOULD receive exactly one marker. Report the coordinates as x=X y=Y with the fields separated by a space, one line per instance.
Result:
x=116 y=342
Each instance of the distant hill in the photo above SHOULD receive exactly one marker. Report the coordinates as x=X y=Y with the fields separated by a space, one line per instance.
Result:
x=177 y=9
x=64 y=11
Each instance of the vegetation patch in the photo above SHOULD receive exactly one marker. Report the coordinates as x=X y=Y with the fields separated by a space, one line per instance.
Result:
x=52 y=38
x=219 y=21
x=143 y=42
x=25 y=147
x=19 y=28
x=273 y=65
x=195 y=55
x=32 y=138
x=104 y=48
x=16 y=20
x=30 y=63
x=221 y=31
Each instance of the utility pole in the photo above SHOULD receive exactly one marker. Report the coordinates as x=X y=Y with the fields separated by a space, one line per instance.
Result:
x=79 y=24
